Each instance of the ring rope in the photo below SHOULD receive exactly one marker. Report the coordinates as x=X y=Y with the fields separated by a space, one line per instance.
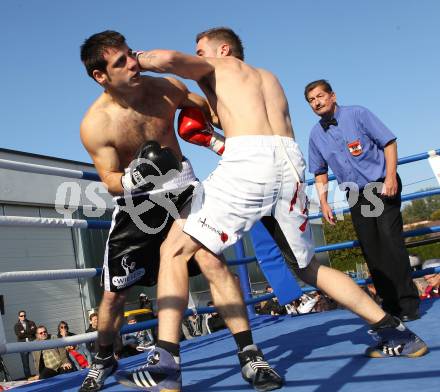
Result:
x=407 y=197
x=401 y=161
x=49 y=170
x=79 y=174
x=36 y=276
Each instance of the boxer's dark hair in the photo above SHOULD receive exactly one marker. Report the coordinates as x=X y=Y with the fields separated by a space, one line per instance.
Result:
x=227 y=35
x=321 y=82
x=93 y=48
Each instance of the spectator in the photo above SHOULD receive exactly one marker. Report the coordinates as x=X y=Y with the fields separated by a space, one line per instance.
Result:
x=272 y=306
x=433 y=280
x=77 y=354
x=192 y=327
x=130 y=340
x=145 y=303
x=49 y=362
x=134 y=342
x=214 y=322
x=25 y=331
x=93 y=326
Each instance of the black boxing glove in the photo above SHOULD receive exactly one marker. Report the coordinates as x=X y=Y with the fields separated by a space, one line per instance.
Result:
x=148 y=170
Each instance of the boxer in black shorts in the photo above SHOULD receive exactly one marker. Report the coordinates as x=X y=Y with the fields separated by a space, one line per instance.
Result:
x=133 y=119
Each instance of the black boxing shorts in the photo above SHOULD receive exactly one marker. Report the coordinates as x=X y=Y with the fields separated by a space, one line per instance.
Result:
x=139 y=226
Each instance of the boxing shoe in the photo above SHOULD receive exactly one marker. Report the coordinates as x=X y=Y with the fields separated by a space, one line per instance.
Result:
x=396 y=341
x=161 y=373
x=257 y=371
x=99 y=370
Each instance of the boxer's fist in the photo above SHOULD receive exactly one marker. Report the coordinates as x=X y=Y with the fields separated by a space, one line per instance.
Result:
x=193 y=127
x=149 y=167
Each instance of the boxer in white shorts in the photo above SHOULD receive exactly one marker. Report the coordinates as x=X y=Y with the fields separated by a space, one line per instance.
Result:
x=259 y=177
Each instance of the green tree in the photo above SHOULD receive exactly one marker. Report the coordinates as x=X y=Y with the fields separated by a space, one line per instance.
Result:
x=435 y=215
x=343 y=260
x=421 y=209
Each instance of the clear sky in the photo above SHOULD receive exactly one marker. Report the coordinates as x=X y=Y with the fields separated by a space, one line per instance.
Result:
x=380 y=54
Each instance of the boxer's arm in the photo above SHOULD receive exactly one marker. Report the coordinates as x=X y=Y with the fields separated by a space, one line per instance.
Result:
x=190 y=99
x=101 y=151
x=195 y=100
x=171 y=61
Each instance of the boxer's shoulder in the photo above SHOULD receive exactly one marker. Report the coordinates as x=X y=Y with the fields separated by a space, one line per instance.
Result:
x=95 y=126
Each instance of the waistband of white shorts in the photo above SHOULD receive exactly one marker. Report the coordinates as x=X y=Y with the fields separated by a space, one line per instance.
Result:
x=244 y=142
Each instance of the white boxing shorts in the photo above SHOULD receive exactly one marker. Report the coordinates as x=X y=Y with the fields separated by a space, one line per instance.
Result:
x=258 y=178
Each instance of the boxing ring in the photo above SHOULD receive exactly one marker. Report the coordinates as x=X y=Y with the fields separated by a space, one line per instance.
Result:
x=313 y=352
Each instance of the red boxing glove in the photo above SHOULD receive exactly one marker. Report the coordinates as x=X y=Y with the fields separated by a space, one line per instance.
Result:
x=193 y=127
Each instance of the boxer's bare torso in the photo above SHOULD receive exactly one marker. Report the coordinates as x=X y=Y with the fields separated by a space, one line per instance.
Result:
x=120 y=121
x=247 y=100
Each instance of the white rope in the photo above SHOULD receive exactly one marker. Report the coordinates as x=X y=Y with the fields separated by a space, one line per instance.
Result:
x=36 y=345
x=35 y=276
x=40 y=169
x=41 y=222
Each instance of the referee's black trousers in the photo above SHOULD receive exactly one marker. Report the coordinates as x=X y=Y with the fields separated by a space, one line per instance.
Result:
x=384 y=250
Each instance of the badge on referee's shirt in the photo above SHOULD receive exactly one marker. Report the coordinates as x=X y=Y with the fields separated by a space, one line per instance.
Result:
x=355 y=148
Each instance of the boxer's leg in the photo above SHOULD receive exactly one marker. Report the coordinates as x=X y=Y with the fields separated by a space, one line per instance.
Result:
x=394 y=339
x=342 y=289
x=225 y=291
x=110 y=318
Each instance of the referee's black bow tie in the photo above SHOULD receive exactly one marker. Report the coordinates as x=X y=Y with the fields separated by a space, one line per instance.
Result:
x=326 y=122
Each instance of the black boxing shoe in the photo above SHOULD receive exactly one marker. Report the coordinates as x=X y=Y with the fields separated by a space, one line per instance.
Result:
x=257 y=371
x=100 y=369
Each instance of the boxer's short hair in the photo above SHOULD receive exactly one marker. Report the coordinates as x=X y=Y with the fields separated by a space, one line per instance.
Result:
x=93 y=48
x=321 y=82
x=227 y=35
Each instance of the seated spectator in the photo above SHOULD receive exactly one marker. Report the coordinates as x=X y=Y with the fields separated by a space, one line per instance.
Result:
x=93 y=326
x=49 y=362
x=134 y=342
x=272 y=306
x=433 y=280
x=192 y=326
x=77 y=355
x=145 y=303
x=214 y=322
x=130 y=340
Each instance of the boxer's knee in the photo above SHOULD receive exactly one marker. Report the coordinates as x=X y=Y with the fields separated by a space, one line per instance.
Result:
x=177 y=249
x=211 y=265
